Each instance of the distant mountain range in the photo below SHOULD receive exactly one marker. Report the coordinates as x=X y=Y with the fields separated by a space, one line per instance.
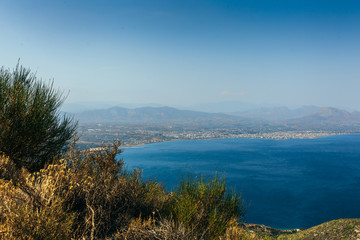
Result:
x=215 y=107
x=307 y=117
x=79 y=107
x=226 y=107
x=276 y=114
x=156 y=115
x=326 y=118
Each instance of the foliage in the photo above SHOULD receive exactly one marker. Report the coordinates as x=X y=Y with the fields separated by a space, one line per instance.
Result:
x=205 y=206
x=104 y=195
x=33 y=214
x=31 y=129
x=86 y=195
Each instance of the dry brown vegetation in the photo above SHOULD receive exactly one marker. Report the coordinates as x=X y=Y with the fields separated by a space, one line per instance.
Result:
x=89 y=195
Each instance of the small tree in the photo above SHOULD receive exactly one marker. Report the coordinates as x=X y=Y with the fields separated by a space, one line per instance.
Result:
x=32 y=132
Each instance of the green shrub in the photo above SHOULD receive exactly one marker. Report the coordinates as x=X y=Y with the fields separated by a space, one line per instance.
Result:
x=31 y=129
x=205 y=206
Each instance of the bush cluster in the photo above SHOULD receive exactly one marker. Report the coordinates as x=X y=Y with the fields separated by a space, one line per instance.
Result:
x=89 y=195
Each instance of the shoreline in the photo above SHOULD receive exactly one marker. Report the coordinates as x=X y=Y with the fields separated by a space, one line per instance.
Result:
x=282 y=135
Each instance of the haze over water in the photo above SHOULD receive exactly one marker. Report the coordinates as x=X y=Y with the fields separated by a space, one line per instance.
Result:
x=288 y=183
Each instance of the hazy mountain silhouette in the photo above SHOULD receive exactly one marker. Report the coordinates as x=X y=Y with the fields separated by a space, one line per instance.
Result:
x=327 y=117
x=148 y=115
x=225 y=107
x=276 y=114
x=79 y=107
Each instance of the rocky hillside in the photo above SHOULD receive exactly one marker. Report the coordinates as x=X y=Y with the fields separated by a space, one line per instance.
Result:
x=337 y=229
x=348 y=229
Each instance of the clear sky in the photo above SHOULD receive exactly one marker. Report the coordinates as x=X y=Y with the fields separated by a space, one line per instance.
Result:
x=183 y=52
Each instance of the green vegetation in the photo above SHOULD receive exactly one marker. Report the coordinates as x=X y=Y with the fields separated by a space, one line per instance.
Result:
x=206 y=206
x=31 y=129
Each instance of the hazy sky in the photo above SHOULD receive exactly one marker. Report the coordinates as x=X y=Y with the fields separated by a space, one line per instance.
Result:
x=289 y=52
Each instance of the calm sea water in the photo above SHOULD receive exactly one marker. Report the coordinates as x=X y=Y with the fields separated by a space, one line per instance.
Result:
x=288 y=183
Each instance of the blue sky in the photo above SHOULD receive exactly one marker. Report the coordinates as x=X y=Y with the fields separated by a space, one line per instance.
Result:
x=297 y=52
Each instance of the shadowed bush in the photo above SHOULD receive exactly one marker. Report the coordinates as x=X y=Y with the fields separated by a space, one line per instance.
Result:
x=104 y=195
x=32 y=131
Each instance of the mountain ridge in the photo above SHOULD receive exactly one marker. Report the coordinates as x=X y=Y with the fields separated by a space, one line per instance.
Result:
x=327 y=117
x=275 y=114
x=152 y=115
x=306 y=117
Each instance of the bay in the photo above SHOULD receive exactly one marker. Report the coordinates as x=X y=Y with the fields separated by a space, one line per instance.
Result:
x=294 y=183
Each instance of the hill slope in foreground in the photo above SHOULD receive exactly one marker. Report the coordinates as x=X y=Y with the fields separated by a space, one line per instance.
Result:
x=348 y=229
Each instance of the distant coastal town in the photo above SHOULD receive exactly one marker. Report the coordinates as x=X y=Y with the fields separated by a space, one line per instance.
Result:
x=97 y=135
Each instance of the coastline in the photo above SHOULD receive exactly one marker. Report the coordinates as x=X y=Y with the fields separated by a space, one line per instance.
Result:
x=281 y=135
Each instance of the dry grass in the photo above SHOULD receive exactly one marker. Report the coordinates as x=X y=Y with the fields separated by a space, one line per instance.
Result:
x=239 y=233
x=30 y=209
x=149 y=229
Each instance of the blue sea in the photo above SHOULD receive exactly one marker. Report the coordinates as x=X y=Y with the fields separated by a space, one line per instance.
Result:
x=295 y=183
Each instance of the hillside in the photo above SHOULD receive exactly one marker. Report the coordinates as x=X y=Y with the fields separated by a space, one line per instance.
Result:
x=327 y=118
x=348 y=229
